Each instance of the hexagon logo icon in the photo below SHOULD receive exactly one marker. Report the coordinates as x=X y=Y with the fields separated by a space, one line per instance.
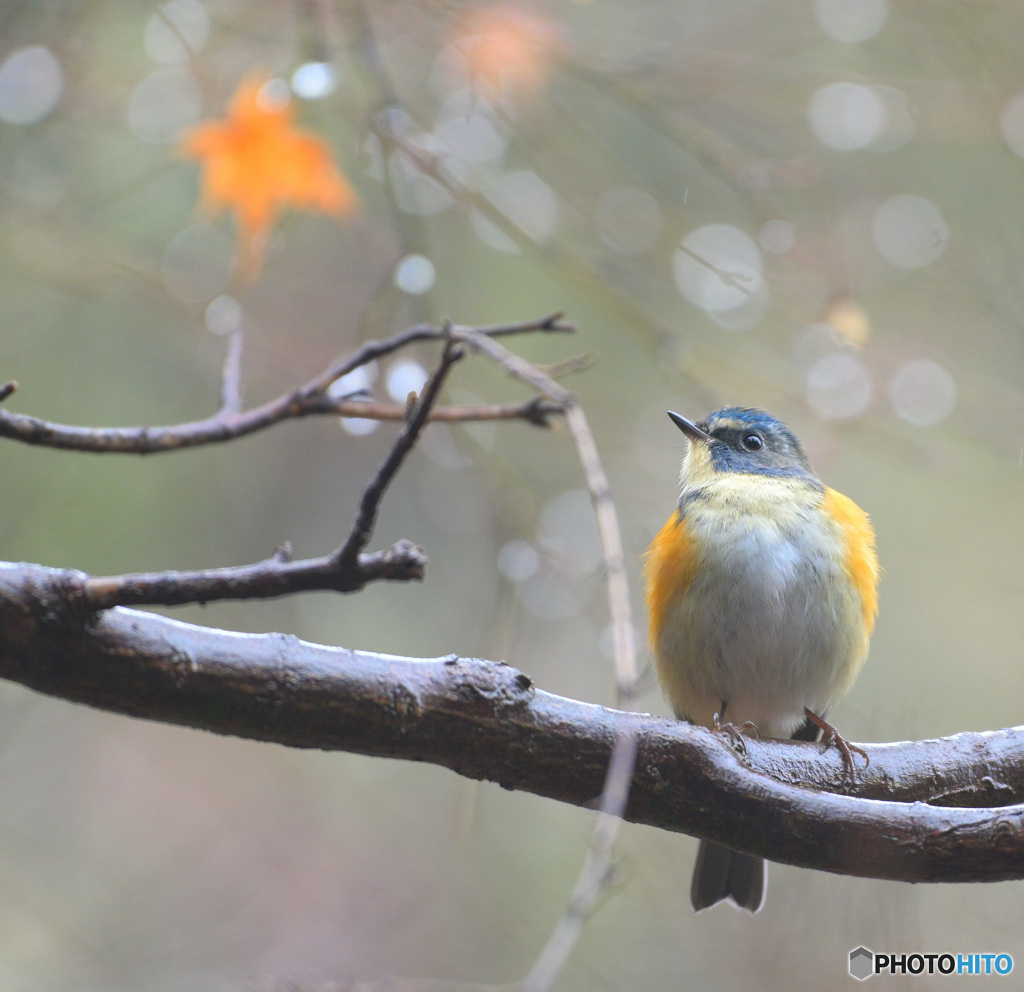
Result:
x=861 y=963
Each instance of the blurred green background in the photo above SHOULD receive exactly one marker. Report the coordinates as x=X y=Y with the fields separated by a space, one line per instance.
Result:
x=813 y=207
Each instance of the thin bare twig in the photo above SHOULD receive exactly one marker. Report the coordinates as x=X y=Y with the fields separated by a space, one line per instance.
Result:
x=596 y=874
x=268 y=579
x=7 y=389
x=736 y=279
x=231 y=378
x=597 y=867
x=614 y=559
x=309 y=399
x=568 y=366
x=362 y=529
x=372 y=350
x=536 y=411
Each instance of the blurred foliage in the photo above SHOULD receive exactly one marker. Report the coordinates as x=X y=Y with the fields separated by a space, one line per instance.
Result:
x=813 y=208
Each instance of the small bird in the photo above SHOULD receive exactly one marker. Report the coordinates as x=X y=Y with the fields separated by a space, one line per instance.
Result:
x=761 y=599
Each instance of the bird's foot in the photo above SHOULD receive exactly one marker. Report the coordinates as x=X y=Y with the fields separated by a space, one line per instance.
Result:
x=734 y=732
x=829 y=735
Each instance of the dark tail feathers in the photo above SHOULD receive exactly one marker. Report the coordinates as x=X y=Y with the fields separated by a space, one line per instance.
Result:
x=722 y=873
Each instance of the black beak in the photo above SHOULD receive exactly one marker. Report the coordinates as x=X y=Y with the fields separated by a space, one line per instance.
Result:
x=689 y=428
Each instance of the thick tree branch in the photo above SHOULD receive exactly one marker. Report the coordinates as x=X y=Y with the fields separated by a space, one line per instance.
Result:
x=486 y=720
x=311 y=399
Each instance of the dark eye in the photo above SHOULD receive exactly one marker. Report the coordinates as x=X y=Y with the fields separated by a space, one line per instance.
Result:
x=753 y=442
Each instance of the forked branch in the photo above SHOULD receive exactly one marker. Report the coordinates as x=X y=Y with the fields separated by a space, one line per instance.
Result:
x=313 y=398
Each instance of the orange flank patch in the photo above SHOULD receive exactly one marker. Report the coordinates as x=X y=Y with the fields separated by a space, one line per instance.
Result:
x=669 y=567
x=256 y=163
x=861 y=559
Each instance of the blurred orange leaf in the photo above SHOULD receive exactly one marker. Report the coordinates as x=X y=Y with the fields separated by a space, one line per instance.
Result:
x=256 y=163
x=507 y=47
x=849 y=319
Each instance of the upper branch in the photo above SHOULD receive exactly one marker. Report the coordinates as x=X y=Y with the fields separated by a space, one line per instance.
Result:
x=345 y=570
x=487 y=721
x=313 y=398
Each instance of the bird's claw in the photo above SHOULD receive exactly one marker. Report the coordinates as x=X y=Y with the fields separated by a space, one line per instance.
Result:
x=832 y=736
x=734 y=732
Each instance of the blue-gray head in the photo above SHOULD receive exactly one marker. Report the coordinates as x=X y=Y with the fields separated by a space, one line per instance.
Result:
x=739 y=439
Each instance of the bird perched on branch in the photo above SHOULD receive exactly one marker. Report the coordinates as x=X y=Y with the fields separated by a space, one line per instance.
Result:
x=761 y=598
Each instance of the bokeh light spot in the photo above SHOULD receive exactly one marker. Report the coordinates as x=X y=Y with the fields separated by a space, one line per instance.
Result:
x=846 y=116
x=274 y=95
x=468 y=128
x=405 y=376
x=223 y=315
x=909 y=231
x=314 y=80
x=358 y=426
x=31 y=83
x=567 y=531
x=1011 y=123
x=851 y=21
x=898 y=125
x=415 y=275
x=718 y=268
x=923 y=393
x=359 y=380
x=839 y=386
x=527 y=201
x=414 y=192
x=177 y=32
x=350 y=386
x=491 y=234
x=816 y=342
x=518 y=560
